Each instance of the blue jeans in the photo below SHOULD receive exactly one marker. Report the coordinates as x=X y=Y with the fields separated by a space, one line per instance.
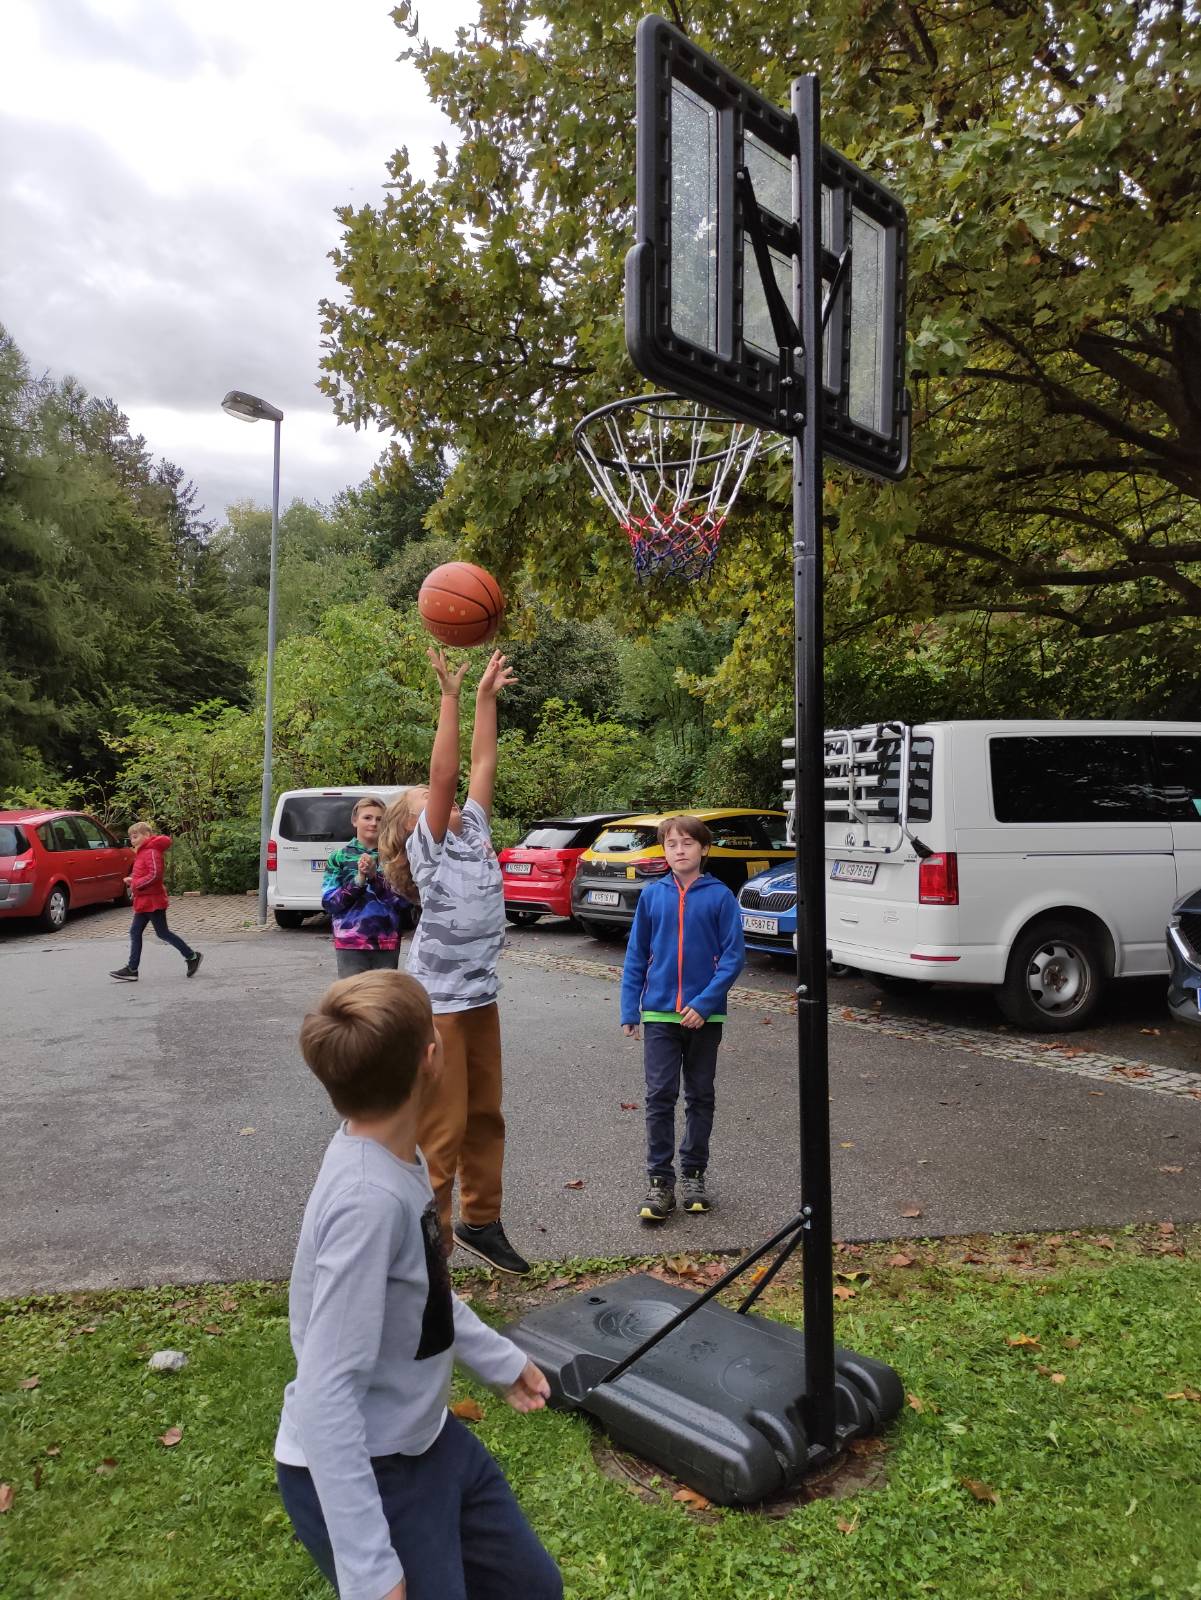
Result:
x=671 y=1052
x=158 y=921
x=455 y=1525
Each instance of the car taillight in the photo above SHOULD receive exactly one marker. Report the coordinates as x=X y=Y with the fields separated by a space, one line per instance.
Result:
x=938 y=880
x=652 y=869
x=272 y=856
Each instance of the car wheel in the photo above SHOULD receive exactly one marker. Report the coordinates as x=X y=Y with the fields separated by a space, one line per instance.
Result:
x=288 y=919
x=523 y=919
x=1054 y=980
x=839 y=969
x=600 y=930
x=54 y=912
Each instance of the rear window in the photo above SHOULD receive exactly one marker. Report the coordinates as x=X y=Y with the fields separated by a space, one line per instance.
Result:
x=550 y=839
x=626 y=839
x=1081 y=778
x=12 y=841
x=318 y=818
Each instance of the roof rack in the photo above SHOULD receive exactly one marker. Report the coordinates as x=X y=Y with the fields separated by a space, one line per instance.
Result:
x=871 y=776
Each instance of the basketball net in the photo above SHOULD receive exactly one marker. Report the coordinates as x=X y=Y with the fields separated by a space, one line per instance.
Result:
x=669 y=469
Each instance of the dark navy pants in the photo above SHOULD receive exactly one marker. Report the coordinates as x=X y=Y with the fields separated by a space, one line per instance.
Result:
x=455 y=1525
x=671 y=1052
x=158 y=921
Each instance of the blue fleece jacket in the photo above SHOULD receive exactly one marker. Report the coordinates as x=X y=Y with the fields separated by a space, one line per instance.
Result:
x=685 y=949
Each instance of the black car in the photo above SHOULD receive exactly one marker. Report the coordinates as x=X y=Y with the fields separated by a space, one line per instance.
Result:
x=1184 y=959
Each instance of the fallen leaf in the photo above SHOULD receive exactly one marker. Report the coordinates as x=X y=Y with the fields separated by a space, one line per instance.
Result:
x=758 y=1275
x=1022 y=1340
x=1098 y=1094
x=171 y=1438
x=871 y=1446
x=6 y=1496
x=53 y=1450
x=843 y=1291
x=765 y=1021
x=229 y=1305
x=1171 y=1169
x=629 y=1105
x=853 y=1275
x=691 y=1499
x=900 y=1260
x=1184 y=1394
x=1058 y=1377
x=1043 y=1371
x=847 y=1014
x=560 y=1283
x=1054 y=1241
x=915 y=1403
x=468 y=1410
x=1072 y=1342
x=576 y=1183
x=974 y=1259
x=980 y=1491
x=1103 y=1242
x=242 y=1132
x=211 y=1327
x=911 y=1211
x=844 y=1526
x=847 y=1144
x=1153 y=1031
x=107 y=1467
x=29 y=1383
x=91 y=1328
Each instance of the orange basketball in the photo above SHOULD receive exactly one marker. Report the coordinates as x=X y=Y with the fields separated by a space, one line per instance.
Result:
x=461 y=604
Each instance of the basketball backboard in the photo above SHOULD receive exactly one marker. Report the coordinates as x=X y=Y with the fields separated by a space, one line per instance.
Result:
x=698 y=318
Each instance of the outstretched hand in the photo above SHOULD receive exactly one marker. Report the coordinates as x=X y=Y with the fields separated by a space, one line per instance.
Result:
x=530 y=1392
x=498 y=675
x=451 y=682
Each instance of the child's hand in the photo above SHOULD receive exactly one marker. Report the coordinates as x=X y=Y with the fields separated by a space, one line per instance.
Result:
x=451 y=682
x=631 y=1030
x=530 y=1392
x=691 y=1019
x=498 y=675
x=366 y=867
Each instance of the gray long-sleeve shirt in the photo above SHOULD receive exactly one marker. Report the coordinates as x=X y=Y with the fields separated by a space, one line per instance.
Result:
x=376 y=1330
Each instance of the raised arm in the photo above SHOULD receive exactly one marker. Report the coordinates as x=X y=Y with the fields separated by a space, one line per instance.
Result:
x=444 y=758
x=497 y=676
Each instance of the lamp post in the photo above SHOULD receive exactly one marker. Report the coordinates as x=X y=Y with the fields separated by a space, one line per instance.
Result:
x=249 y=408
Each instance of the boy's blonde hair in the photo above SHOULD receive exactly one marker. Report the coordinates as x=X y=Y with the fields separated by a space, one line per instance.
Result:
x=365 y=1041
x=142 y=827
x=399 y=821
x=363 y=802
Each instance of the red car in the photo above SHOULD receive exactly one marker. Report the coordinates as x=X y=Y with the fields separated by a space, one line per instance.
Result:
x=538 y=871
x=53 y=860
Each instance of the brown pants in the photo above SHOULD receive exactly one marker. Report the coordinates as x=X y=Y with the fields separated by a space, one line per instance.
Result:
x=462 y=1129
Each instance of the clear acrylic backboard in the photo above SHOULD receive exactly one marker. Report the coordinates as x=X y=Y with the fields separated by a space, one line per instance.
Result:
x=698 y=320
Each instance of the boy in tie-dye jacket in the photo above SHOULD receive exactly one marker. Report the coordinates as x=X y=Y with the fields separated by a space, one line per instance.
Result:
x=368 y=914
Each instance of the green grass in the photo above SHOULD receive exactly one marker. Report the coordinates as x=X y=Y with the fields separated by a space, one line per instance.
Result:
x=1097 y=1477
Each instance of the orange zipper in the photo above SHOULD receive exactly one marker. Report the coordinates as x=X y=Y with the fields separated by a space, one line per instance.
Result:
x=680 y=952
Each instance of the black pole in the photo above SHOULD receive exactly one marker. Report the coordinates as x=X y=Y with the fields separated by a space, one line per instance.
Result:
x=809 y=790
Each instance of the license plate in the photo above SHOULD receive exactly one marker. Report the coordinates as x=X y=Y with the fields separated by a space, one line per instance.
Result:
x=602 y=897
x=760 y=924
x=317 y=866
x=855 y=871
x=520 y=869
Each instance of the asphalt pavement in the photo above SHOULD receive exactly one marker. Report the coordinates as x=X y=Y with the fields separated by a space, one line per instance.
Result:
x=169 y=1131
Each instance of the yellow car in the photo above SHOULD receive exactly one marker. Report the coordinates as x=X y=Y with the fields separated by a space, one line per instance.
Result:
x=618 y=864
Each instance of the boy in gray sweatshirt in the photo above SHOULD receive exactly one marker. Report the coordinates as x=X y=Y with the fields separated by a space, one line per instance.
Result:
x=393 y=1498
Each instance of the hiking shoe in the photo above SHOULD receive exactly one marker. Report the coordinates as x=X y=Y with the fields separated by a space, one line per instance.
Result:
x=194 y=961
x=660 y=1201
x=125 y=975
x=488 y=1241
x=692 y=1192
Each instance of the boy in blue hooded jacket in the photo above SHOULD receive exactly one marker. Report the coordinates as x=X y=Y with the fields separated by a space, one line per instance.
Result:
x=684 y=953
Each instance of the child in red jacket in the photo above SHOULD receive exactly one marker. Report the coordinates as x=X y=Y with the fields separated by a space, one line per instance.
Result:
x=150 y=901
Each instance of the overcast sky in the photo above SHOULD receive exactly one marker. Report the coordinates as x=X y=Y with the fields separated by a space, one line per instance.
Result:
x=168 y=174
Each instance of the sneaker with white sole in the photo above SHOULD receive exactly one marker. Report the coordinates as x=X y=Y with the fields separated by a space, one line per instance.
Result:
x=125 y=975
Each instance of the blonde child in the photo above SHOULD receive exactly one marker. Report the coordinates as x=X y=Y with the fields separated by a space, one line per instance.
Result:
x=149 y=894
x=432 y=851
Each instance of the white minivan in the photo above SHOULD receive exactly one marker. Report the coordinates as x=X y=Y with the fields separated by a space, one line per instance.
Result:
x=309 y=825
x=1041 y=858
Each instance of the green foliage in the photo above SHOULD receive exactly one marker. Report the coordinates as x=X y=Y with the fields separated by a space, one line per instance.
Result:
x=232 y=857
x=571 y=763
x=561 y=657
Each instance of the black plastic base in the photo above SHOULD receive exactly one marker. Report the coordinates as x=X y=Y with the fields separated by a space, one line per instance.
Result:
x=718 y=1404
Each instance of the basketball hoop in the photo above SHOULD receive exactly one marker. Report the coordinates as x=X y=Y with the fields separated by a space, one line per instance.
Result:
x=669 y=469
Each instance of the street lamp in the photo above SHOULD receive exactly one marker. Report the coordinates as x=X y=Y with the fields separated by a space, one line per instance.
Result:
x=249 y=408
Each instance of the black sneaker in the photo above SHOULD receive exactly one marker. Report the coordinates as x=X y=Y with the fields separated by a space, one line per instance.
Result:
x=194 y=961
x=125 y=975
x=660 y=1201
x=488 y=1241
x=692 y=1192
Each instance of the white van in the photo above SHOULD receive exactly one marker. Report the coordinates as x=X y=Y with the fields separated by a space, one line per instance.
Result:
x=309 y=824
x=1041 y=858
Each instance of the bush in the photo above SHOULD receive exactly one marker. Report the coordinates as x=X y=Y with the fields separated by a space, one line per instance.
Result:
x=231 y=857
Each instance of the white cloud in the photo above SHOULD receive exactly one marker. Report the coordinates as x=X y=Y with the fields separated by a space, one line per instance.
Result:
x=168 y=176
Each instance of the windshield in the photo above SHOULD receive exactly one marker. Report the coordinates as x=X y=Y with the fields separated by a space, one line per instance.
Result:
x=318 y=818
x=12 y=841
x=549 y=839
x=626 y=838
